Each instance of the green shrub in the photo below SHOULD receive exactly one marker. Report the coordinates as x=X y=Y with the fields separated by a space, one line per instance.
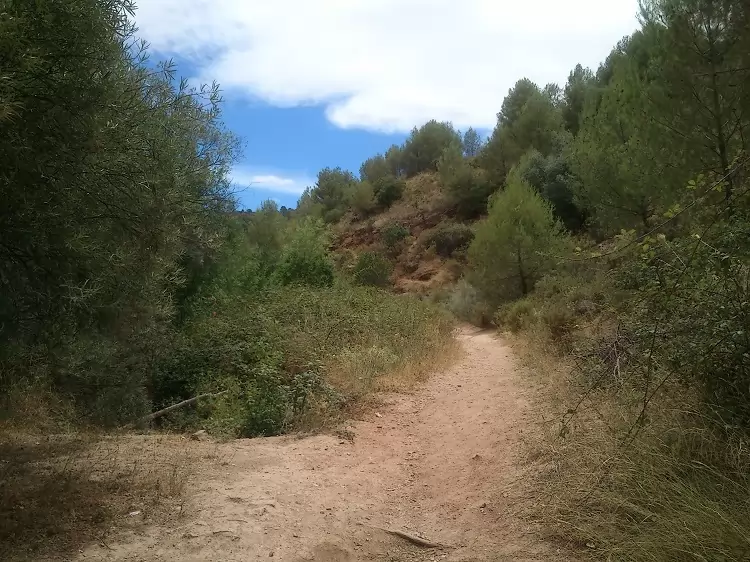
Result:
x=375 y=168
x=467 y=186
x=694 y=292
x=258 y=404
x=449 y=238
x=515 y=316
x=250 y=348
x=275 y=352
x=469 y=192
x=317 y=324
x=266 y=402
x=393 y=233
x=353 y=336
x=304 y=258
x=388 y=190
x=372 y=269
x=422 y=150
x=660 y=471
x=332 y=216
x=227 y=337
x=558 y=304
x=298 y=267
x=362 y=199
x=331 y=191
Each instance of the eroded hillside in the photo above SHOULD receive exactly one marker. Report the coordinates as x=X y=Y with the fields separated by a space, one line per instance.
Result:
x=420 y=233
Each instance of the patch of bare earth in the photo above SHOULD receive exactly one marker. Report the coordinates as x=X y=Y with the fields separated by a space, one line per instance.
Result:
x=444 y=463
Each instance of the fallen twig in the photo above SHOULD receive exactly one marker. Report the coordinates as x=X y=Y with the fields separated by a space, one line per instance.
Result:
x=419 y=541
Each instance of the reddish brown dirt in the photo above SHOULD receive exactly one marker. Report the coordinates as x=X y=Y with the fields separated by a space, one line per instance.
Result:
x=444 y=463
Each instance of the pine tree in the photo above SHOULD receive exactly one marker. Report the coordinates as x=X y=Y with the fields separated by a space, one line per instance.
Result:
x=516 y=244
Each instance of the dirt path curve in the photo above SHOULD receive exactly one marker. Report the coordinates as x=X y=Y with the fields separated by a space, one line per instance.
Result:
x=443 y=462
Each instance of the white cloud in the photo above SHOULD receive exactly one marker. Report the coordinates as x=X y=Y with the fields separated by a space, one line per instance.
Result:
x=245 y=178
x=386 y=64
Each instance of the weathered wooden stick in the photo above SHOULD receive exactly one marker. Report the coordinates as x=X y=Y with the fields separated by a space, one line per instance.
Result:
x=412 y=538
x=160 y=413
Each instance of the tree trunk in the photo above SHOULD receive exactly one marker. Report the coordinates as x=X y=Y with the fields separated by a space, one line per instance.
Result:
x=522 y=274
x=721 y=141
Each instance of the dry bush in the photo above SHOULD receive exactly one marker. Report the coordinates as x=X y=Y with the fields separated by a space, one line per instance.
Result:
x=673 y=487
x=34 y=408
x=465 y=303
x=59 y=492
x=564 y=314
x=424 y=192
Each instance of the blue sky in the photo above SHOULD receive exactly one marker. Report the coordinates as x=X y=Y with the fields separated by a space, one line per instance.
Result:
x=294 y=143
x=315 y=83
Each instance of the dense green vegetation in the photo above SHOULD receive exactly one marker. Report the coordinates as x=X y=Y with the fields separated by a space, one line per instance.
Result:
x=615 y=230
x=127 y=280
x=655 y=165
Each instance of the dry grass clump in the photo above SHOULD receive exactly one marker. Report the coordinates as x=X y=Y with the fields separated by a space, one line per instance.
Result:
x=377 y=368
x=60 y=492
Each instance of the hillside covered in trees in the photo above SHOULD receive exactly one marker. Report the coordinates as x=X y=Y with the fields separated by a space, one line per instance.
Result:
x=606 y=220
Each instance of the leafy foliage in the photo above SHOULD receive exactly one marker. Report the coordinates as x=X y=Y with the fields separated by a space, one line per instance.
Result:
x=393 y=233
x=468 y=186
x=618 y=155
x=394 y=158
x=388 y=189
x=114 y=186
x=691 y=317
x=304 y=259
x=553 y=179
x=472 y=143
x=362 y=199
x=425 y=146
x=699 y=99
x=529 y=119
x=466 y=303
x=577 y=92
x=375 y=168
x=449 y=238
x=331 y=192
x=372 y=269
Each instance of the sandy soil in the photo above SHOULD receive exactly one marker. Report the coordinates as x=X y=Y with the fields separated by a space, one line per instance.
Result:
x=444 y=463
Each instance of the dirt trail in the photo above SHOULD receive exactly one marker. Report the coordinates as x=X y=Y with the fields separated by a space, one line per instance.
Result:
x=443 y=462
